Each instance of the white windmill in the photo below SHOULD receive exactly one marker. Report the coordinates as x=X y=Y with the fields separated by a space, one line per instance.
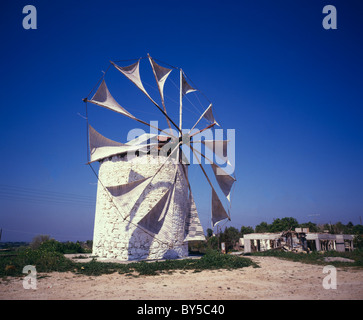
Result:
x=145 y=207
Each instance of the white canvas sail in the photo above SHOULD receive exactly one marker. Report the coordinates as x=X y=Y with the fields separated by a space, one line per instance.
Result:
x=208 y=115
x=97 y=140
x=157 y=218
x=126 y=195
x=186 y=87
x=153 y=221
x=193 y=228
x=143 y=139
x=132 y=72
x=103 y=98
x=225 y=181
x=102 y=147
x=166 y=233
x=161 y=74
x=219 y=147
x=218 y=211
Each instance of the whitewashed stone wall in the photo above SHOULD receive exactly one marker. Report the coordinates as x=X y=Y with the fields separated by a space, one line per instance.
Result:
x=116 y=238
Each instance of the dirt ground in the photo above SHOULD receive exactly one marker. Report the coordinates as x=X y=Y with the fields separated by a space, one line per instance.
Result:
x=276 y=279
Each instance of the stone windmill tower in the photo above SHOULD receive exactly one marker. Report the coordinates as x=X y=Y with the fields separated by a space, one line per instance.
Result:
x=145 y=207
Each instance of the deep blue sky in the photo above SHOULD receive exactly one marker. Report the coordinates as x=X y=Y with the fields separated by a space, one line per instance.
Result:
x=291 y=90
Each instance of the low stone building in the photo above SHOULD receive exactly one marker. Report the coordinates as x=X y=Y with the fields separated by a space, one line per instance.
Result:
x=299 y=240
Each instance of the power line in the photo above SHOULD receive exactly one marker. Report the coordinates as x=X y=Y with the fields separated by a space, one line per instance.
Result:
x=44 y=201
x=46 y=232
x=39 y=191
x=44 y=196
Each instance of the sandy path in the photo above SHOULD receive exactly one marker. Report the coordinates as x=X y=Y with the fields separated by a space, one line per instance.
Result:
x=276 y=279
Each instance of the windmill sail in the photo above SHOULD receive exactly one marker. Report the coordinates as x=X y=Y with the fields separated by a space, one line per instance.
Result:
x=143 y=139
x=161 y=74
x=126 y=195
x=218 y=211
x=193 y=228
x=157 y=217
x=102 y=147
x=97 y=140
x=208 y=115
x=225 y=181
x=186 y=87
x=132 y=72
x=154 y=220
x=103 y=98
x=219 y=147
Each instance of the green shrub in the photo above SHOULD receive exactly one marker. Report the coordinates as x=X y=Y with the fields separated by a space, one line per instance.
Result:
x=62 y=247
x=43 y=260
x=210 y=261
x=51 y=246
x=47 y=259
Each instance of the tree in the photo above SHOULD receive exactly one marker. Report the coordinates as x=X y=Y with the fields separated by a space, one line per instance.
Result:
x=212 y=243
x=209 y=232
x=358 y=229
x=312 y=226
x=52 y=245
x=262 y=227
x=230 y=236
x=338 y=228
x=326 y=226
x=38 y=240
x=283 y=224
x=246 y=230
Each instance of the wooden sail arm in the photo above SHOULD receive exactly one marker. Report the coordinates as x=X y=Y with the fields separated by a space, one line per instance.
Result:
x=176 y=148
x=167 y=117
x=205 y=174
x=210 y=126
x=151 y=126
x=201 y=154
